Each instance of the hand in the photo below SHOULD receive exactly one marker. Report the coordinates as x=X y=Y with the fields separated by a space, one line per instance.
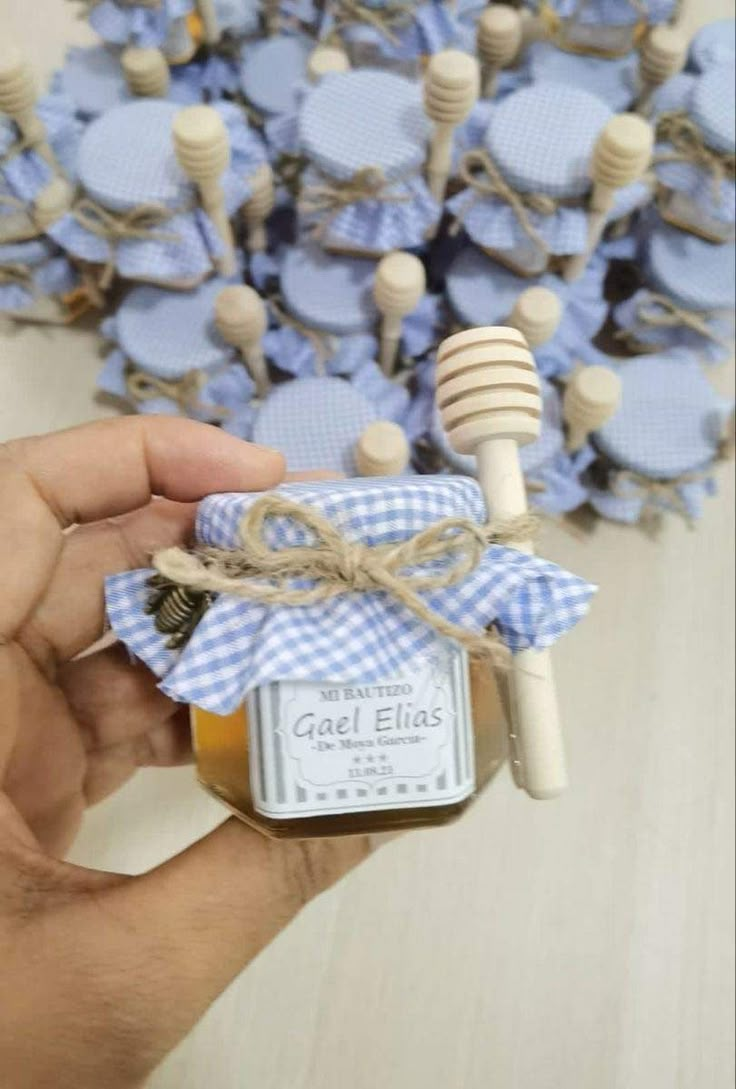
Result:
x=103 y=974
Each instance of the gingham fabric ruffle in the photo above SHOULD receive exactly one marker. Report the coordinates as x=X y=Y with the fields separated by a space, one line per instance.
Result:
x=379 y=226
x=240 y=645
x=493 y=223
x=26 y=173
x=628 y=504
x=713 y=349
x=53 y=277
x=614 y=81
x=238 y=18
x=432 y=27
x=137 y=24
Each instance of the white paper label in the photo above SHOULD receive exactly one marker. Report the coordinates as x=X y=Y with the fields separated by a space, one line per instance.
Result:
x=404 y=743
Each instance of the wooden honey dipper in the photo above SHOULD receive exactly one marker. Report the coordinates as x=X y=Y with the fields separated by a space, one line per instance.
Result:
x=663 y=55
x=621 y=156
x=258 y=207
x=500 y=30
x=592 y=397
x=146 y=72
x=537 y=314
x=325 y=59
x=451 y=87
x=18 y=97
x=488 y=394
x=210 y=24
x=53 y=202
x=399 y=284
x=241 y=320
x=382 y=450
x=203 y=151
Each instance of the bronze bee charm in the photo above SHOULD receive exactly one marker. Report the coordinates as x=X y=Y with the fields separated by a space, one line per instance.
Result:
x=177 y=609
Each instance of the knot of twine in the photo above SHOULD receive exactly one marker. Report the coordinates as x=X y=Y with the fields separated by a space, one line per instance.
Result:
x=689 y=146
x=328 y=197
x=21 y=275
x=385 y=20
x=479 y=172
x=322 y=343
x=661 y=312
x=184 y=392
x=23 y=143
x=142 y=222
x=335 y=566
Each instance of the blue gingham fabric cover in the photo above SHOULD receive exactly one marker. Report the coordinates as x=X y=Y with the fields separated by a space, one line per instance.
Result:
x=614 y=80
x=272 y=70
x=481 y=292
x=25 y=173
x=430 y=27
x=137 y=24
x=127 y=159
x=715 y=348
x=53 y=277
x=92 y=78
x=366 y=118
x=708 y=101
x=328 y=292
x=240 y=645
x=238 y=18
x=714 y=44
x=614 y=12
x=697 y=274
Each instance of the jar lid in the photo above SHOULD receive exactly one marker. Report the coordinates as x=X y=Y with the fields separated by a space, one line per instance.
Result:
x=127 y=158
x=315 y=423
x=714 y=43
x=271 y=71
x=169 y=333
x=93 y=79
x=696 y=274
x=713 y=110
x=353 y=120
x=613 y=80
x=482 y=292
x=670 y=418
x=542 y=142
x=330 y=293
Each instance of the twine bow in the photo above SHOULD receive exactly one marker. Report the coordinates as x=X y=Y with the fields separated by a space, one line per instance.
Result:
x=334 y=566
x=184 y=391
x=142 y=222
x=329 y=196
x=384 y=20
x=479 y=172
x=689 y=146
x=660 y=312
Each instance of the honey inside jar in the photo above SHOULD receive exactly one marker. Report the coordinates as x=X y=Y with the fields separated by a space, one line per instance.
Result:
x=227 y=761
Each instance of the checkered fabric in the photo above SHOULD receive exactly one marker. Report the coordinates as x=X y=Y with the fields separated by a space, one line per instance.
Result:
x=713 y=110
x=389 y=400
x=614 y=81
x=628 y=504
x=137 y=24
x=315 y=423
x=271 y=71
x=663 y=337
x=433 y=27
x=670 y=419
x=31 y=253
x=169 y=333
x=53 y=277
x=93 y=79
x=714 y=44
x=696 y=274
x=542 y=138
x=238 y=17
x=240 y=645
x=327 y=292
x=615 y=12
x=25 y=174
x=205 y=80
x=364 y=118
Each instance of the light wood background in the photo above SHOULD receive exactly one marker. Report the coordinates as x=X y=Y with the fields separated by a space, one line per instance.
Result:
x=585 y=943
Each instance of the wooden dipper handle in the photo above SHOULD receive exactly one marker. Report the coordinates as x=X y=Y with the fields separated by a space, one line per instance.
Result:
x=146 y=72
x=489 y=400
x=451 y=88
x=241 y=320
x=203 y=151
x=210 y=24
x=382 y=450
x=52 y=202
x=325 y=59
x=18 y=97
x=399 y=284
x=537 y=314
x=592 y=396
x=258 y=207
x=500 y=31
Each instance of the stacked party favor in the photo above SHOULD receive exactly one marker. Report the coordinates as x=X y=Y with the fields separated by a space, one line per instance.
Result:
x=279 y=208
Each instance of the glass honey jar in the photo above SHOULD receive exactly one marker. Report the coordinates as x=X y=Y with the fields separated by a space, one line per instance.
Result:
x=309 y=759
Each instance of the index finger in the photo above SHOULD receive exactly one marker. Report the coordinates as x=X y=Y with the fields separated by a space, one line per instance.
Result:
x=115 y=466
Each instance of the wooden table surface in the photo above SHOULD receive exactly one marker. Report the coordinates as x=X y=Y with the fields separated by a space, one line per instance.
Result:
x=585 y=943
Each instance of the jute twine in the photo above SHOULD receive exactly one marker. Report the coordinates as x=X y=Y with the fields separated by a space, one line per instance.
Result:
x=479 y=172
x=143 y=222
x=184 y=392
x=323 y=343
x=329 y=196
x=20 y=275
x=385 y=20
x=336 y=566
x=689 y=146
x=660 y=312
